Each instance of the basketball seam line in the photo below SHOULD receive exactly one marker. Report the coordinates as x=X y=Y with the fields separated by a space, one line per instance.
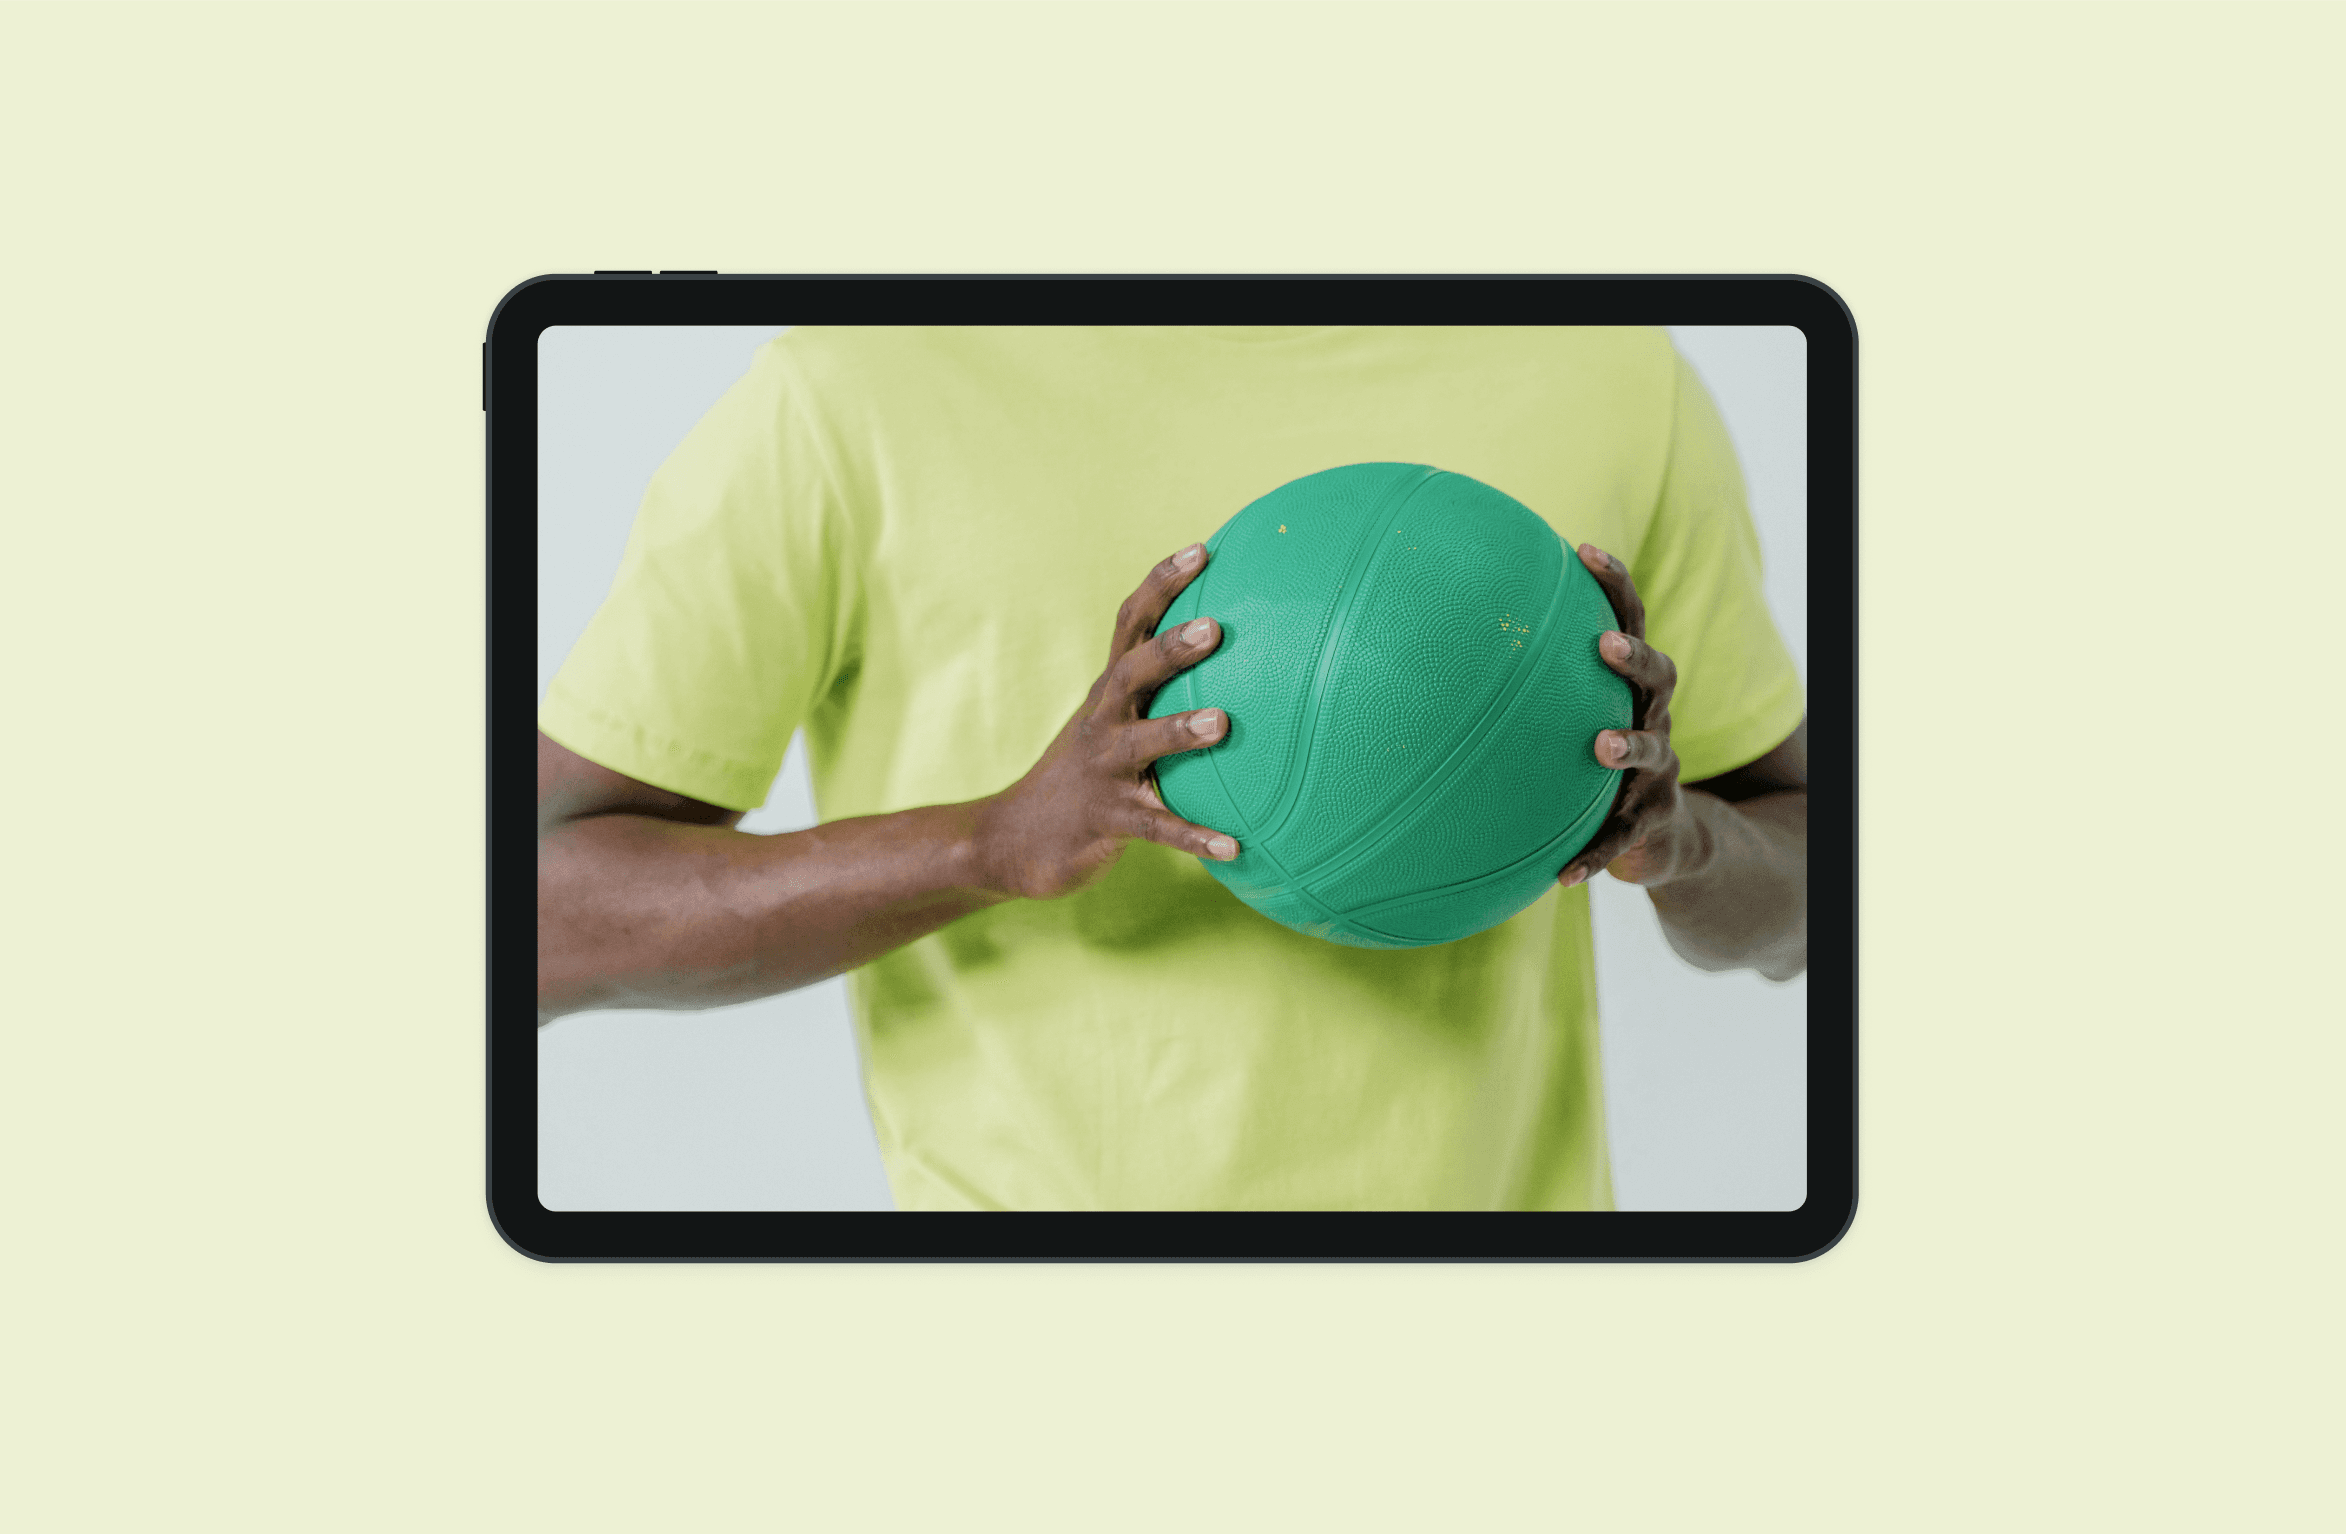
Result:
x=1399 y=816
x=1356 y=568
x=1413 y=795
x=1600 y=805
x=1346 y=597
x=1289 y=883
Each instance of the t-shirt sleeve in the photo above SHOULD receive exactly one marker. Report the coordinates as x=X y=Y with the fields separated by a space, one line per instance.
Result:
x=732 y=612
x=1698 y=571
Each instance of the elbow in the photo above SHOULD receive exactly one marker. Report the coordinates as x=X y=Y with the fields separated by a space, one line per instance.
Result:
x=1787 y=963
x=1771 y=940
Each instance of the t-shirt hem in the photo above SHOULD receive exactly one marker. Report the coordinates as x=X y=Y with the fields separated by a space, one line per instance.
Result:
x=648 y=757
x=1717 y=751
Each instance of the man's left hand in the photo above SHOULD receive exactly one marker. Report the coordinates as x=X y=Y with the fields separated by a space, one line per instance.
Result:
x=1650 y=838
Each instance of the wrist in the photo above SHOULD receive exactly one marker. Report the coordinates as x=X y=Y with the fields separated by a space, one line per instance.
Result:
x=975 y=849
x=1689 y=844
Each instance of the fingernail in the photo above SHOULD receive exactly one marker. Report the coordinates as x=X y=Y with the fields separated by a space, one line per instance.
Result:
x=1187 y=559
x=1204 y=722
x=1620 y=751
x=1573 y=876
x=1197 y=630
x=1222 y=847
x=1617 y=646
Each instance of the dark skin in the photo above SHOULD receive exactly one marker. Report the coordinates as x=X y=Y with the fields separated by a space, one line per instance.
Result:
x=648 y=898
x=1725 y=860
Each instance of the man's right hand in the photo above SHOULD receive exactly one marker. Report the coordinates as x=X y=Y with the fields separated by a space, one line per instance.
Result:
x=647 y=898
x=1061 y=826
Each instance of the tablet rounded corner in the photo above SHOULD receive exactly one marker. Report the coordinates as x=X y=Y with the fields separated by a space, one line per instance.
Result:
x=504 y=1225
x=1840 y=1229
x=1840 y=305
x=520 y=297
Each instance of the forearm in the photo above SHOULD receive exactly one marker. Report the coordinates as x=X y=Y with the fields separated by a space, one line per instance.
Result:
x=638 y=911
x=1742 y=902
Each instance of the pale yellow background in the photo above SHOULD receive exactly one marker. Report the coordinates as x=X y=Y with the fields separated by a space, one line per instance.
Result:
x=2095 y=254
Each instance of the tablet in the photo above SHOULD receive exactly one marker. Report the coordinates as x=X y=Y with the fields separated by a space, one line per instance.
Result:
x=808 y=575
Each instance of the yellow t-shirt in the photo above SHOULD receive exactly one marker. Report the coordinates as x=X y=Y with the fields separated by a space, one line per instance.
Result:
x=914 y=541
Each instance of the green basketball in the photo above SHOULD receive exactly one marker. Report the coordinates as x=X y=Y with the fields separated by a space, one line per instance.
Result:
x=1409 y=663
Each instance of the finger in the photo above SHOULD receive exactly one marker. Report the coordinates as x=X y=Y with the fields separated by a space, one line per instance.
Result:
x=1608 y=845
x=1145 y=608
x=1146 y=740
x=1632 y=750
x=1165 y=828
x=1613 y=576
x=1139 y=673
x=1618 y=832
x=1645 y=668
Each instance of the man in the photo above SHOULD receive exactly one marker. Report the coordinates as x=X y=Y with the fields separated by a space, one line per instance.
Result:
x=910 y=540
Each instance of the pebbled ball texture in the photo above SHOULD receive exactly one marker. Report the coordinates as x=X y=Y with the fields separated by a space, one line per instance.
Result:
x=1409 y=662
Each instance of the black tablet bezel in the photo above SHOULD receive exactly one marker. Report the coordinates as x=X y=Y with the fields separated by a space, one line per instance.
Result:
x=509 y=398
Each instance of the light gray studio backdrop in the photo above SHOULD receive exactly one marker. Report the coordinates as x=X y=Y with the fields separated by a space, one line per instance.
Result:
x=761 y=1107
